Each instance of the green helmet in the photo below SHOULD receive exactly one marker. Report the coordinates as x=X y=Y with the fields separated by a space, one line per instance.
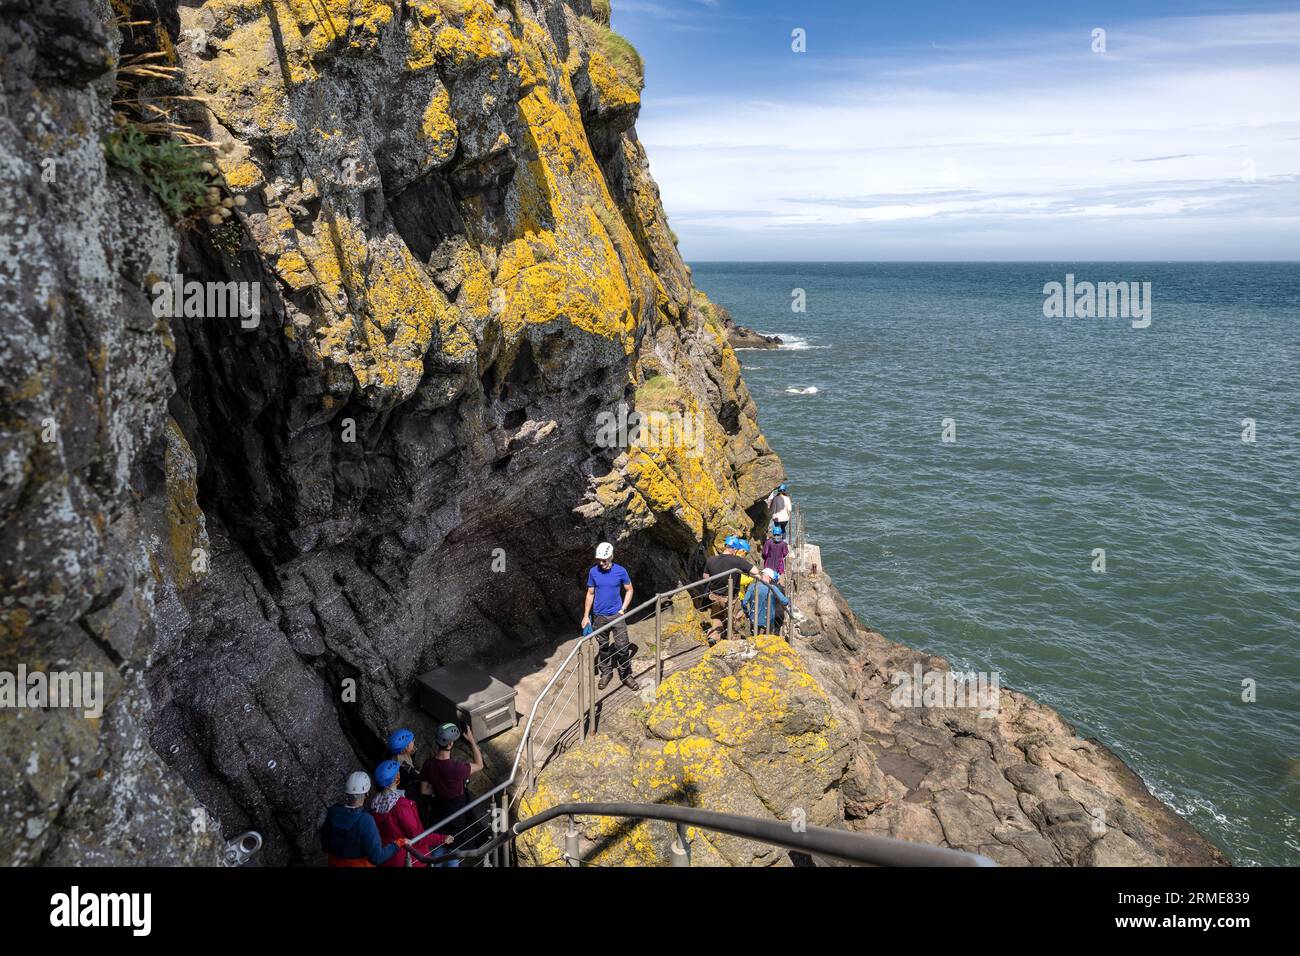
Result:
x=446 y=735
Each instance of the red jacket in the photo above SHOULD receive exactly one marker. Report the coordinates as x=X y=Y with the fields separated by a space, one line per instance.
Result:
x=403 y=820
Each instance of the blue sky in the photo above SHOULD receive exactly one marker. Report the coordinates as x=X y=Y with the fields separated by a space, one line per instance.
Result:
x=973 y=131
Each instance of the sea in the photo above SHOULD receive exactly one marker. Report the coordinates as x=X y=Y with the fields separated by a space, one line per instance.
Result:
x=1103 y=509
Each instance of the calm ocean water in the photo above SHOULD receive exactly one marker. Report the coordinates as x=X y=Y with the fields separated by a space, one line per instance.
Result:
x=1072 y=435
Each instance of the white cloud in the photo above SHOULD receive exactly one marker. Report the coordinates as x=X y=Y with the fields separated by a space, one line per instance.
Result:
x=1034 y=136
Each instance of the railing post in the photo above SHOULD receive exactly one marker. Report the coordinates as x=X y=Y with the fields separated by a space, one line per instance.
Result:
x=582 y=694
x=571 y=844
x=681 y=848
x=531 y=777
x=731 y=602
x=505 y=847
x=589 y=676
x=659 y=634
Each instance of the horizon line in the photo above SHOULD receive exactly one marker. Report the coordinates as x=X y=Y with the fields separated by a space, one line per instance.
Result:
x=986 y=262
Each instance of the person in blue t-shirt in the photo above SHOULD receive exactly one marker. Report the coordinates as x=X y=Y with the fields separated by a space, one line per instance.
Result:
x=765 y=603
x=606 y=602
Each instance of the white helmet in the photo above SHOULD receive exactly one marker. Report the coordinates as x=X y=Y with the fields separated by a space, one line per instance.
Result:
x=604 y=550
x=358 y=784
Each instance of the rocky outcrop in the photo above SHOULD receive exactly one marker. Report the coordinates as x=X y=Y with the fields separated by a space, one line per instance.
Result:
x=88 y=470
x=746 y=730
x=259 y=528
x=738 y=337
x=999 y=775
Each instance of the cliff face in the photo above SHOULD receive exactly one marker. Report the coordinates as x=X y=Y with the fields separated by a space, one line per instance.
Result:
x=260 y=532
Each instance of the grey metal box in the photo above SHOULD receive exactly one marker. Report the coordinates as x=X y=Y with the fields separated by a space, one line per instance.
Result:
x=463 y=694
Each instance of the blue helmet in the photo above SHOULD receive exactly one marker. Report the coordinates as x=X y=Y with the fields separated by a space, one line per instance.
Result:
x=399 y=740
x=777 y=531
x=782 y=487
x=731 y=541
x=387 y=772
x=742 y=545
x=776 y=575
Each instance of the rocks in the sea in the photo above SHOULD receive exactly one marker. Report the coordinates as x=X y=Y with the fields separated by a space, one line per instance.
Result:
x=743 y=338
x=816 y=725
x=738 y=337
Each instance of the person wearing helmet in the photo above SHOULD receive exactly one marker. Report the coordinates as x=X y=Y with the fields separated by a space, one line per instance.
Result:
x=401 y=747
x=780 y=507
x=765 y=603
x=730 y=559
x=747 y=576
x=607 y=601
x=397 y=818
x=446 y=778
x=349 y=836
x=775 y=550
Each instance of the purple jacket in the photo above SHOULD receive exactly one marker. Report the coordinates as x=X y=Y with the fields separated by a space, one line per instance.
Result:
x=774 y=553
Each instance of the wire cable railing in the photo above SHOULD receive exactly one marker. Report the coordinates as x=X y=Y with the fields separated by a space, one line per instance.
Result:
x=481 y=832
x=580 y=662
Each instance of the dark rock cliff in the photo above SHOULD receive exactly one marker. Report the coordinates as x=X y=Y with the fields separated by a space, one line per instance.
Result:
x=462 y=263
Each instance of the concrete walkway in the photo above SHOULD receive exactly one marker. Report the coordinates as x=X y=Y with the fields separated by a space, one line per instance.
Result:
x=557 y=723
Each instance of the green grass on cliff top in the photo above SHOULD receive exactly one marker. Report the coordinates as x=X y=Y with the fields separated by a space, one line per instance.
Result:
x=619 y=51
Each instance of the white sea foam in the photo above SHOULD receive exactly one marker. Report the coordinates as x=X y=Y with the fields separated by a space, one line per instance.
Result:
x=793 y=343
x=810 y=390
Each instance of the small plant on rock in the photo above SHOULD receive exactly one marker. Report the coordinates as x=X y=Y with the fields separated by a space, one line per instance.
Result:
x=187 y=185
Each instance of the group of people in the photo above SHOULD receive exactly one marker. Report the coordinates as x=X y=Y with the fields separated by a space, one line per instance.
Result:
x=406 y=802
x=763 y=603
x=609 y=592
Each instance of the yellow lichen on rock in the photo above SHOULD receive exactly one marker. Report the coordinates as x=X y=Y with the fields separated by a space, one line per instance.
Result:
x=186 y=525
x=248 y=72
x=476 y=36
x=326 y=25
x=386 y=310
x=735 y=733
x=439 y=128
x=239 y=174
x=615 y=92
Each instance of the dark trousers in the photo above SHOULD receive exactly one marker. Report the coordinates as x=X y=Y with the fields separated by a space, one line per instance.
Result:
x=613 y=645
x=469 y=828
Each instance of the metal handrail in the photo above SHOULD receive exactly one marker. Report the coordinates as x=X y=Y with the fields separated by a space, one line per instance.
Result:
x=860 y=849
x=532 y=714
x=846 y=846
